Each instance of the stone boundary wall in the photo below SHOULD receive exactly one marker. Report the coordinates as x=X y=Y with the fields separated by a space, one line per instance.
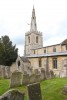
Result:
x=5 y=71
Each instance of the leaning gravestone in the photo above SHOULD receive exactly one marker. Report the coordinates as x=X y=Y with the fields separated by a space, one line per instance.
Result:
x=12 y=95
x=15 y=79
x=34 y=91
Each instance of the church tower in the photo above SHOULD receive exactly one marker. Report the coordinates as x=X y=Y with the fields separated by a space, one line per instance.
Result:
x=33 y=38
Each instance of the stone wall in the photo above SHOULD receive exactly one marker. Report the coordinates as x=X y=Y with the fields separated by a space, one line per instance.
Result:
x=60 y=64
x=5 y=71
x=49 y=49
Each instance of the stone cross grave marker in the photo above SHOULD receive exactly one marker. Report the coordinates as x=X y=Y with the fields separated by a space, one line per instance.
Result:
x=34 y=91
x=15 y=79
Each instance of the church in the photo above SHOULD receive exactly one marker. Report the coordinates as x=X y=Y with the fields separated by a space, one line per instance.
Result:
x=38 y=60
x=52 y=57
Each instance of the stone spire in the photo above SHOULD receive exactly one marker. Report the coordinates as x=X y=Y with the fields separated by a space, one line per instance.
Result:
x=33 y=26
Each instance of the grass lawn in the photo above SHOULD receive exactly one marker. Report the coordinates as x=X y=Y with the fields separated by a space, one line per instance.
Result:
x=51 y=89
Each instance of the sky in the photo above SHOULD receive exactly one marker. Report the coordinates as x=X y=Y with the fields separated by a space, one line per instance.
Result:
x=51 y=18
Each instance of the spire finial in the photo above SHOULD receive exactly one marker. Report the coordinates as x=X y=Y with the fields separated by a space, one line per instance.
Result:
x=33 y=6
x=33 y=21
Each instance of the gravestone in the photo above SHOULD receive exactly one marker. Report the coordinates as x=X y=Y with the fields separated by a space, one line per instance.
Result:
x=65 y=90
x=12 y=95
x=32 y=78
x=36 y=71
x=15 y=79
x=25 y=79
x=51 y=74
x=37 y=78
x=4 y=71
x=43 y=74
x=65 y=68
x=34 y=91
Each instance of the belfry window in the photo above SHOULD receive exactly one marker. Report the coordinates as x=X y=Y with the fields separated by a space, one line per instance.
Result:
x=55 y=63
x=36 y=39
x=29 y=39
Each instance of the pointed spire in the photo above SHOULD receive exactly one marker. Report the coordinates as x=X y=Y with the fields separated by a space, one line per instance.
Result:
x=33 y=26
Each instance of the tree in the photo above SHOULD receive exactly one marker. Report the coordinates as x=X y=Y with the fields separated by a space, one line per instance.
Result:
x=8 y=52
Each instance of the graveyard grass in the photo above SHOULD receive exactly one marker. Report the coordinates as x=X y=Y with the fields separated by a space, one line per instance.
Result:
x=50 y=89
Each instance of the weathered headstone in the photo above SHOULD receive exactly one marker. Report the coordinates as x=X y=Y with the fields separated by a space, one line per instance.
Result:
x=7 y=72
x=15 y=79
x=25 y=79
x=51 y=74
x=43 y=74
x=32 y=78
x=37 y=78
x=4 y=71
x=65 y=68
x=12 y=95
x=34 y=91
x=65 y=71
x=65 y=90
x=36 y=71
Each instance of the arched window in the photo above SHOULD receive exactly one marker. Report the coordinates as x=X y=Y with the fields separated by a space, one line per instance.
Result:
x=29 y=39
x=18 y=64
x=36 y=39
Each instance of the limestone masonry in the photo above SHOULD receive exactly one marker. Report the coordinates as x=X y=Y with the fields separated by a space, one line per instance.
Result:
x=52 y=57
x=38 y=62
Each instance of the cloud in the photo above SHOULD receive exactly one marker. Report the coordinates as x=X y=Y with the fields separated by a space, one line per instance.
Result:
x=18 y=40
x=51 y=17
x=20 y=50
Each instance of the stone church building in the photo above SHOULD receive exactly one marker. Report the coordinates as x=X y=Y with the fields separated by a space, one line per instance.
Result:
x=38 y=59
x=52 y=57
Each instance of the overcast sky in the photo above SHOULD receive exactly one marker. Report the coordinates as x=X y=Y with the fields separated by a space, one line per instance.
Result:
x=51 y=17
